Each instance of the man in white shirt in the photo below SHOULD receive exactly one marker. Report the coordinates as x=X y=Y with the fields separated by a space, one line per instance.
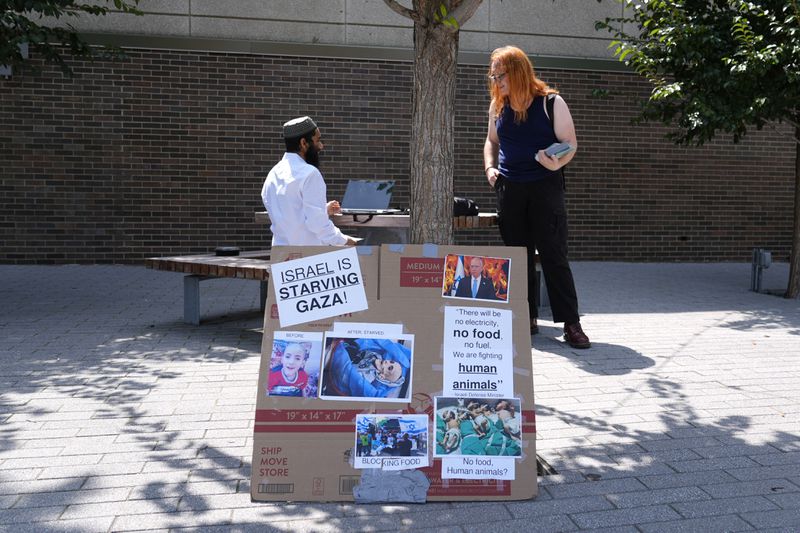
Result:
x=295 y=194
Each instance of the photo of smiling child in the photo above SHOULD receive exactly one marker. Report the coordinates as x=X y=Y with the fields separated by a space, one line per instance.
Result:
x=375 y=369
x=294 y=366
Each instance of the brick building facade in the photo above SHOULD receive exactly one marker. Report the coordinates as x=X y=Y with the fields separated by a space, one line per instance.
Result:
x=165 y=153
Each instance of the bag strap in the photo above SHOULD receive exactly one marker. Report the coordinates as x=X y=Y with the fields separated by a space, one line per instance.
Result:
x=550 y=103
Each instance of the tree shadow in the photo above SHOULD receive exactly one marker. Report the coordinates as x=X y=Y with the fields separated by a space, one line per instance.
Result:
x=602 y=358
x=682 y=457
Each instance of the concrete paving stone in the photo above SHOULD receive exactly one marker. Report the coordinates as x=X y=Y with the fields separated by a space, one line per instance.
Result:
x=220 y=474
x=167 y=521
x=110 y=469
x=201 y=443
x=7 y=501
x=49 y=460
x=679 y=443
x=69 y=497
x=30 y=514
x=658 y=496
x=789 y=500
x=754 y=452
x=783 y=458
x=721 y=463
x=144 y=453
x=539 y=524
x=19 y=474
x=135 y=480
x=590 y=488
x=418 y=519
x=37 y=485
x=621 y=517
x=132 y=507
x=180 y=490
x=203 y=502
x=738 y=505
x=156 y=436
x=751 y=487
x=228 y=433
x=48 y=437
x=245 y=451
x=787 y=518
x=645 y=458
x=538 y=508
x=83 y=525
x=717 y=524
x=193 y=464
x=766 y=472
x=629 y=470
x=686 y=480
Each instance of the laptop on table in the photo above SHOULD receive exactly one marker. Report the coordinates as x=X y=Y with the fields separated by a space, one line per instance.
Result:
x=368 y=197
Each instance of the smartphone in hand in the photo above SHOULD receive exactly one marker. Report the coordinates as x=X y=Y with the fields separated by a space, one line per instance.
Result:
x=559 y=150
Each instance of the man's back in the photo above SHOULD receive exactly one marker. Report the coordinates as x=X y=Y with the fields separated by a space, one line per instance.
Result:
x=294 y=194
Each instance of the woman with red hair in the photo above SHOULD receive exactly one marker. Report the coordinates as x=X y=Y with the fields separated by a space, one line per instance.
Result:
x=529 y=183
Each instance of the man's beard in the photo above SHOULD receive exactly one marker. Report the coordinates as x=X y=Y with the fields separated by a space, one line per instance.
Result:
x=312 y=156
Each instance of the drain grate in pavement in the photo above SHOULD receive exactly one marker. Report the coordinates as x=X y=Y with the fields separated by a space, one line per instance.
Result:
x=543 y=468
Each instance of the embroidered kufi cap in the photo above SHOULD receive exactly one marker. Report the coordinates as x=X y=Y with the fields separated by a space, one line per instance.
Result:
x=297 y=127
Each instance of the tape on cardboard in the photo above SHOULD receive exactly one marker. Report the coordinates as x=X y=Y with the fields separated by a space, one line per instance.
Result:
x=430 y=250
x=388 y=486
x=397 y=248
x=364 y=250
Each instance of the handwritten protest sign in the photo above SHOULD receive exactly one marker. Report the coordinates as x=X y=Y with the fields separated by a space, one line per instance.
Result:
x=319 y=286
x=478 y=352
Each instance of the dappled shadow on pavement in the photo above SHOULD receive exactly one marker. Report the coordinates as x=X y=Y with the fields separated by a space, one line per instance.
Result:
x=601 y=358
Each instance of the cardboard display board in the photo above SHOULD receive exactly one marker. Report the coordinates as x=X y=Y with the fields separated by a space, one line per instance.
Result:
x=418 y=352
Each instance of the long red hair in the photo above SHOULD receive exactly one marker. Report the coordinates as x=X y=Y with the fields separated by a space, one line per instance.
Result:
x=523 y=85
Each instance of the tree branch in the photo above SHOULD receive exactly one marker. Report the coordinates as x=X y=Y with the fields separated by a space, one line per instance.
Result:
x=463 y=10
x=401 y=10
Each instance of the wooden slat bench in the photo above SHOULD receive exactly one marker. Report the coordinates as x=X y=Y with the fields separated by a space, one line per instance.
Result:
x=248 y=265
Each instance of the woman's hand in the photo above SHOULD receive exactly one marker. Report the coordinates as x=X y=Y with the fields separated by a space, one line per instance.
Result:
x=548 y=162
x=491 y=175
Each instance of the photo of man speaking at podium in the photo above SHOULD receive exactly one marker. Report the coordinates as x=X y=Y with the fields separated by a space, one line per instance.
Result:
x=476 y=285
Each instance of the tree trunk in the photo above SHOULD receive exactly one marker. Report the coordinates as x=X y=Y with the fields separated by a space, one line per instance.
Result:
x=793 y=290
x=432 y=120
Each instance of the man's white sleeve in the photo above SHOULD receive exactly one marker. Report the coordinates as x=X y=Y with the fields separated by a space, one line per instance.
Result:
x=316 y=211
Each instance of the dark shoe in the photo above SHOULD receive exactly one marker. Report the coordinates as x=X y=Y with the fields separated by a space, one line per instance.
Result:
x=575 y=337
x=534 y=327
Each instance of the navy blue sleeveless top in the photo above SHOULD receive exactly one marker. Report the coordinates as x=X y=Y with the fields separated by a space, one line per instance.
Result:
x=520 y=142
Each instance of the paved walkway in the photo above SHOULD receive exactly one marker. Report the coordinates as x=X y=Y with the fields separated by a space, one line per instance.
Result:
x=116 y=416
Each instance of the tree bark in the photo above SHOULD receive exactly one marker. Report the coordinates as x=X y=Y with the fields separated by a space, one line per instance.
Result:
x=432 y=130
x=793 y=290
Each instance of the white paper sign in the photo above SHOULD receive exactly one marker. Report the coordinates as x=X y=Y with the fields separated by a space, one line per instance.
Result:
x=362 y=329
x=478 y=352
x=317 y=287
x=478 y=467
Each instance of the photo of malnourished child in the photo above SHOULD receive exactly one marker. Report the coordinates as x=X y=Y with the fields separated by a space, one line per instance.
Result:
x=294 y=365
x=374 y=369
x=477 y=426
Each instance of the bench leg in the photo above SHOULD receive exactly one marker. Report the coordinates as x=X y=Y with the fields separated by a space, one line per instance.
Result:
x=263 y=295
x=191 y=299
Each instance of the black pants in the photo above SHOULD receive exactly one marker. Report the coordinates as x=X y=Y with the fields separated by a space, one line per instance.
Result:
x=534 y=215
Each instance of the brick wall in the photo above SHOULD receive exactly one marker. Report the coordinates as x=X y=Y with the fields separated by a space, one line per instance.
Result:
x=165 y=153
